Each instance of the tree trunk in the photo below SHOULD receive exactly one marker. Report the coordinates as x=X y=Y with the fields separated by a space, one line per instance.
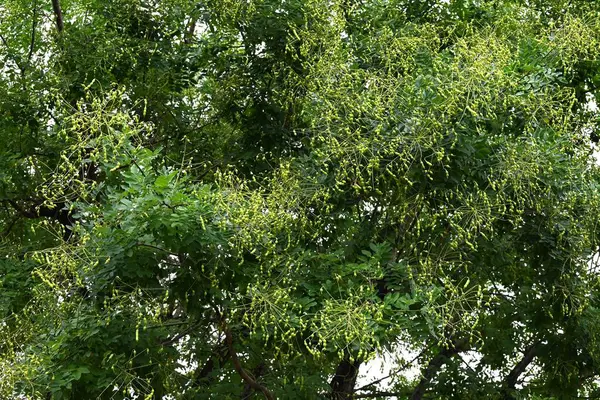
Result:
x=58 y=14
x=343 y=382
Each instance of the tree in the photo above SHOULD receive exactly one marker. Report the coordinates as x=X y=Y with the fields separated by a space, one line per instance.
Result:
x=252 y=199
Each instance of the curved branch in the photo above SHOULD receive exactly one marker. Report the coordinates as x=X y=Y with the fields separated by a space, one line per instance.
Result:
x=238 y=368
x=257 y=372
x=58 y=212
x=436 y=363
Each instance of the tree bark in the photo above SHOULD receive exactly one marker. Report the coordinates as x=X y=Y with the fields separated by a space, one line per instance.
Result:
x=33 y=29
x=243 y=374
x=59 y=213
x=219 y=356
x=257 y=373
x=436 y=363
x=343 y=382
x=511 y=379
x=58 y=15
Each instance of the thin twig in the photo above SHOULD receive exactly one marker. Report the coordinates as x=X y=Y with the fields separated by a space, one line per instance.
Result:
x=400 y=368
x=157 y=248
x=168 y=342
x=18 y=64
x=378 y=394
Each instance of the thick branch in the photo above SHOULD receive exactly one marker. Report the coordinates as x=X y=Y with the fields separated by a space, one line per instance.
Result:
x=58 y=213
x=218 y=357
x=238 y=368
x=343 y=382
x=435 y=364
x=257 y=373
x=511 y=379
x=58 y=14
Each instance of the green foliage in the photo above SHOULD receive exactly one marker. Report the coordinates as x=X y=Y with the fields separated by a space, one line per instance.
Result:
x=240 y=199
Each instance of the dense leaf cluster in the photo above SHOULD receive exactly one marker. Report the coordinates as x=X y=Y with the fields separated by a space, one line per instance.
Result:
x=246 y=199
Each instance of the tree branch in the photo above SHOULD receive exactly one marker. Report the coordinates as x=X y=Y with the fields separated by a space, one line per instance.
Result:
x=58 y=213
x=219 y=355
x=257 y=373
x=9 y=227
x=170 y=341
x=394 y=372
x=238 y=367
x=511 y=379
x=10 y=54
x=33 y=29
x=191 y=28
x=343 y=382
x=379 y=394
x=150 y=246
x=58 y=14
x=436 y=363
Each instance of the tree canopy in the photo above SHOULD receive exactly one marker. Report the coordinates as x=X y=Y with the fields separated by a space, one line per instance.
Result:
x=252 y=199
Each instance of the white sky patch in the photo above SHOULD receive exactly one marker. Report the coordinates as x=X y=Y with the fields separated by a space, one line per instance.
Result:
x=591 y=105
x=387 y=366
